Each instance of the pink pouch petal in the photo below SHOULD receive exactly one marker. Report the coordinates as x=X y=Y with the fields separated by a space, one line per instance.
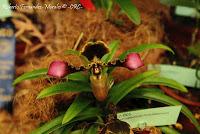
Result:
x=133 y=61
x=58 y=69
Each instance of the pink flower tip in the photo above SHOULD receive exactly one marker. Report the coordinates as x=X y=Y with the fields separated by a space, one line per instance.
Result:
x=58 y=69
x=87 y=4
x=133 y=61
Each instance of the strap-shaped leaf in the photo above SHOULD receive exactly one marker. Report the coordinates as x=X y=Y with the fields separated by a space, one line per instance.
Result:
x=169 y=130
x=69 y=86
x=80 y=131
x=59 y=131
x=48 y=125
x=92 y=130
x=131 y=11
x=186 y=3
x=78 y=105
x=31 y=75
x=78 y=76
x=184 y=75
x=113 y=48
x=67 y=130
x=56 y=123
x=119 y=91
x=86 y=114
x=109 y=5
x=144 y=47
x=157 y=80
x=160 y=97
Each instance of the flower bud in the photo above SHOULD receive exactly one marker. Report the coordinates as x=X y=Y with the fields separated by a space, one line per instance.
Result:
x=133 y=61
x=58 y=69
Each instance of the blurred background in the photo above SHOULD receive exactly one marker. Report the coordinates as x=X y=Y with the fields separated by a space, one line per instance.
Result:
x=33 y=33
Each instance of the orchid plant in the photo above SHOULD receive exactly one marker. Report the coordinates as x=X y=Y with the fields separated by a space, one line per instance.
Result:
x=97 y=90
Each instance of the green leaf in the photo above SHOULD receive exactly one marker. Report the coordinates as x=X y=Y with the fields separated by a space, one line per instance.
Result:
x=64 y=130
x=48 y=125
x=143 y=47
x=108 y=4
x=69 y=86
x=195 y=49
x=56 y=123
x=186 y=3
x=160 y=97
x=67 y=129
x=109 y=8
x=113 y=48
x=157 y=80
x=31 y=75
x=81 y=131
x=91 y=113
x=131 y=11
x=72 y=52
x=92 y=130
x=59 y=131
x=97 y=3
x=78 y=76
x=169 y=130
x=102 y=3
x=184 y=75
x=119 y=91
x=77 y=53
x=78 y=105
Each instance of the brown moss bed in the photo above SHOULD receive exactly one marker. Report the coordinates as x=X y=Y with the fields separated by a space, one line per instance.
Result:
x=60 y=30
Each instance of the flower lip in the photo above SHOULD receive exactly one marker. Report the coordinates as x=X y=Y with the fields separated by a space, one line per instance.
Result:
x=58 y=69
x=133 y=61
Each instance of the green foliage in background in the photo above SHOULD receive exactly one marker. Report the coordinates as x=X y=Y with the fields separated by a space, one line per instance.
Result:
x=126 y=6
x=195 y=49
